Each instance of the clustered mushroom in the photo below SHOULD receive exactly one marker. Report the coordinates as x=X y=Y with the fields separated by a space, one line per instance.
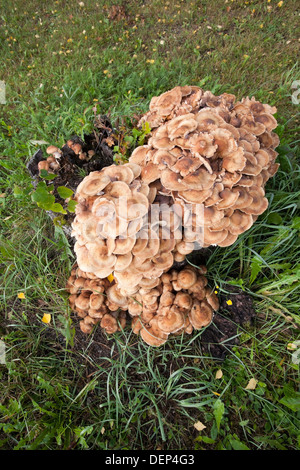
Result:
x=51 y=163
x=213 y=152
x=122 y=226
x=96 y=300
x=78 y=150
x=199 y=179
x=173 y=304
x=178 y=302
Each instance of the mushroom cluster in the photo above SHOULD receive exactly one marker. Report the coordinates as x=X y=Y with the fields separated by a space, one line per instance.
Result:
x=76 y=147
x=51 y=163
x=94 y=301
x=213 y=152
x=178 y=302
x=175 y=303
x=198 y=181
x=123 y=226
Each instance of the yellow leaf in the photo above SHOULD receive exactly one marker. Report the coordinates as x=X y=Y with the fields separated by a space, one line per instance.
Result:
x=251 y=384
x=21 y=295
x=199 y=426
x=46 y=318
x=110 y=278
x=219 y=374
x=229 y=302
x=216 y=393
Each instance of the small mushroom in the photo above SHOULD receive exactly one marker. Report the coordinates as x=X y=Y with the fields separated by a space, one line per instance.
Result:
x=109 y=324
x=200 y=314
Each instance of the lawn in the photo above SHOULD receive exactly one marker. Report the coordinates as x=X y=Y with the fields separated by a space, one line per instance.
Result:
x=60 y=389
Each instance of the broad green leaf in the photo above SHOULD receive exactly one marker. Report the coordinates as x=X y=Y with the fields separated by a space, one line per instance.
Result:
x=274 y=218
x=64 y=192
x=136 y=133
x=43 y=199
x=218 y=411
x=238 y=445
x=72 y=205
x=47 y=176
x=256 y=267
x=291 y=402
x=207 y=440
x=56 y=207
x=291 y=398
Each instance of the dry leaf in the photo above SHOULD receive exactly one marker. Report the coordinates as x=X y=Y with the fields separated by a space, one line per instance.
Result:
x=109 y=140
x=46 y=318
x=219 y=374
x=199 y=426
x=251 y=384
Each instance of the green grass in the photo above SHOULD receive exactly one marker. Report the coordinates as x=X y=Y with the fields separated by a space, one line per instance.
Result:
x=58 y=391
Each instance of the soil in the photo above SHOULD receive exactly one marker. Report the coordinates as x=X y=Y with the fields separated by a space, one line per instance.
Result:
x=221 y=335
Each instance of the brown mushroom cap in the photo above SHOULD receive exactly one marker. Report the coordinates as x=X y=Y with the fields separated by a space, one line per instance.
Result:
x=96 y=301
x=109 y=324
x=93 y=183
x=172 y=321
x=114 y=295
x=200 y=314
x=212 y=298
x=52 y=149
x=186 y=278
x=166 y=102
x=153 y=335
x=183 y=300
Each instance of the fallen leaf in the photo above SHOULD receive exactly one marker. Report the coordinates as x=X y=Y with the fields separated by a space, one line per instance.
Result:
x=46 y=318
x=21 y=295
x=219 y=374
x=199 y=426
x=251 y=384
x=110 y=141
